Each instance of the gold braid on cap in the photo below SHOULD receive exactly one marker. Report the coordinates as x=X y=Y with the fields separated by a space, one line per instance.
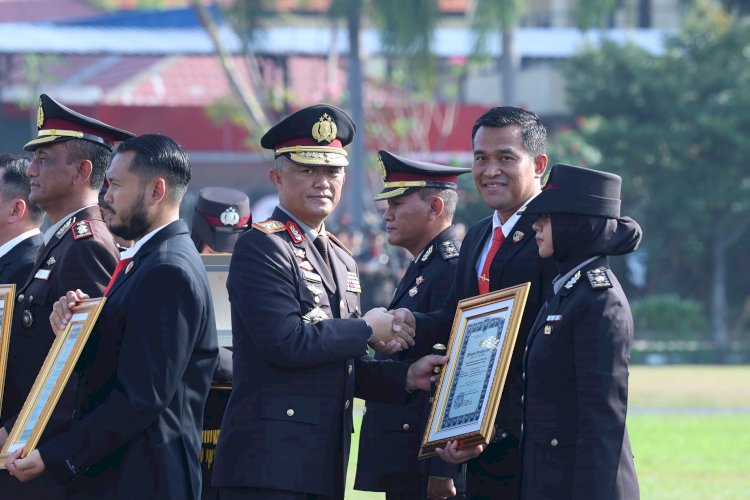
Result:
x=310 y=149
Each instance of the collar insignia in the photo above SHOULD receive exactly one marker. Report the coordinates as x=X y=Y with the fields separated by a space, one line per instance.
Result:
x=295 y=232
x=269 y=226
x=572 y=281
x=426 y=254
x=60 y=232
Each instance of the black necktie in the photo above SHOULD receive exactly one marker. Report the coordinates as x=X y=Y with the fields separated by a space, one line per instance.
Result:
x=321 y=243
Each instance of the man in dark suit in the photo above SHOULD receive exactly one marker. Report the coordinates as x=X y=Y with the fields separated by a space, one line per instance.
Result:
x=298 y=334
x=421 y=200
x=71 y=154
x=20 y=219
x=498 y=252
x=146 y=369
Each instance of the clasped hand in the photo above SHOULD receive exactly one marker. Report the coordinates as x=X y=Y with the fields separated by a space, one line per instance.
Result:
x=392 y=331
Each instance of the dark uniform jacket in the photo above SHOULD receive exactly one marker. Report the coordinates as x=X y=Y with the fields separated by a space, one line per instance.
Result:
x=391 y=434
x=82 y=255
x=288 y=423
x=575 y=444
x=16 y=265
x=144 y=378
x=515 y=263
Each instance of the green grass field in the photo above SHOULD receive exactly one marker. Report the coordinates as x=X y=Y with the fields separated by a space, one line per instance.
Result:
x=690 y=431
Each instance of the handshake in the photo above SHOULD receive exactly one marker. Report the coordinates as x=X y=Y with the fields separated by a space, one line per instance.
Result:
x=392 y=331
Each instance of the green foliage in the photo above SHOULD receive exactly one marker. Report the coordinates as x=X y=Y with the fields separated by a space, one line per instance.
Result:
x=675 y=126
x=569 y=146
x=592 y=13
x=668 y=316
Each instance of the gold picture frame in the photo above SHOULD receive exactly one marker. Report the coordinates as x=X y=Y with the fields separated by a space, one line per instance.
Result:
x=52 y=377
x=7 y=300
x=481 y=344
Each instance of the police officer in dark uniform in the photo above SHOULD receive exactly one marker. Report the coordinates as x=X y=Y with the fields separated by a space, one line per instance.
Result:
x=299 y=338
x=221 y=216
x=575 y=443
x=20 y=237
x=71 y=155
x=421 y=200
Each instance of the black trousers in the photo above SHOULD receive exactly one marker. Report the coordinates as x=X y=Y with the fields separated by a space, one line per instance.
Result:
x=266 y=494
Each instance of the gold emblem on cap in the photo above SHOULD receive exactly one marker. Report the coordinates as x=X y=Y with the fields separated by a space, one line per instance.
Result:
x=39 y=115
x=381 y=166
x=324 y=129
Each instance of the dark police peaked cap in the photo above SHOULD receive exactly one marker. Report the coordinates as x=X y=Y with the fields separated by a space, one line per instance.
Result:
x=403 y=176
x=577 y=190
x=221 y=216
x=57 y=123
x=313 y=136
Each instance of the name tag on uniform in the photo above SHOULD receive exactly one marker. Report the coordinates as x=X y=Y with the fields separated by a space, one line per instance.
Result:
x=312 y=276
x=43 y=274
x=554 y=317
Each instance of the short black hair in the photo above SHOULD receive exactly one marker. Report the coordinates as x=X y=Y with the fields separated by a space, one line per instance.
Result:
x=97 y=154
x=533 y=132
x=16 y=184
x=158 y=154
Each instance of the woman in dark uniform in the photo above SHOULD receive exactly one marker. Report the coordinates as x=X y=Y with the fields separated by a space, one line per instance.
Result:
x=575 y=443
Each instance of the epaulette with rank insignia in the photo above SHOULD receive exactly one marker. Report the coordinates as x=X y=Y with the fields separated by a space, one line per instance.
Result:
x=269 y=226
x=598 y=278
x=338 y=243
x=82 y=229
x=448 y=250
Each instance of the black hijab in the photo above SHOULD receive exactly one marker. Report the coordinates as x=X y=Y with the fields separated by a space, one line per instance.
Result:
x=576 y=238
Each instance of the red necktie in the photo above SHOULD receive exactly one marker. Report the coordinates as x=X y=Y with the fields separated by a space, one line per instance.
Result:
x=120 y=264
x=484 y=278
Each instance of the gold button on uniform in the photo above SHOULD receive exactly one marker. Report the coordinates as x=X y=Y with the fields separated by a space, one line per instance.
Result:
x=406 y=427
x=346 y=405
x=290 y=413
x=553 y=442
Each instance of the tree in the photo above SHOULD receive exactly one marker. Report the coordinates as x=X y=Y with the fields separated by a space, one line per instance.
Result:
x=675 y=127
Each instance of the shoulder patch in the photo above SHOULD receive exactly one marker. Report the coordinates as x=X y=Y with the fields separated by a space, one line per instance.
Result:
x=83 y=229
x=598 y=278
x=448 y=250
x=338 y=243
x=269 y=226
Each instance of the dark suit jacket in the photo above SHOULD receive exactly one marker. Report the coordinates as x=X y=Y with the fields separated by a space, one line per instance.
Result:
x=391 y=434
x=16 y=265
x=515 y=263
x=144 y=378
x=575 y=444
x=289 y=419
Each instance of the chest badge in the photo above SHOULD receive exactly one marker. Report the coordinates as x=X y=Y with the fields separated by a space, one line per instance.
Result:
x=517 y=236
x=50 y=261
x=129 y=267
x=548 y=329
x=27 y=318
x=419 y=280
x=413 y=291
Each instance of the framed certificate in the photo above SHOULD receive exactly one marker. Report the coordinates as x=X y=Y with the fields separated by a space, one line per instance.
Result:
x=51 y=380
x=7 y=296
x=481 y=345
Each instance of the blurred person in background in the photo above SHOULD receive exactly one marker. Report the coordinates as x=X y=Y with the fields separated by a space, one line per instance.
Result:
x=221 y=216
x=20 y=237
